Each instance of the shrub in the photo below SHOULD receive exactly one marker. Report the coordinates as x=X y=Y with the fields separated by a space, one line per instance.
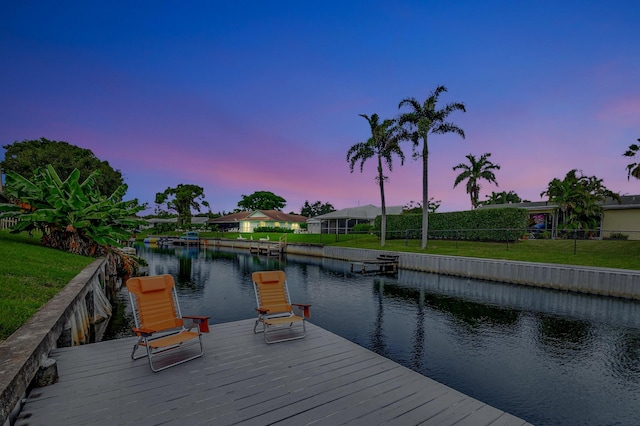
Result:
x=618 y=236
x=362 y=228
x=274 y=230
x=496 y=224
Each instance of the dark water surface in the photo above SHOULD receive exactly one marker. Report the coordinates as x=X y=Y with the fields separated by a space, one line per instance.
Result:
x=549 y=357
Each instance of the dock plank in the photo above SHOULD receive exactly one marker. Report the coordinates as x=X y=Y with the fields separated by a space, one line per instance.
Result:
x=321 y=380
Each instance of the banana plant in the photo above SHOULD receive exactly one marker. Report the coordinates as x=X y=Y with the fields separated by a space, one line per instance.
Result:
x=72 y=215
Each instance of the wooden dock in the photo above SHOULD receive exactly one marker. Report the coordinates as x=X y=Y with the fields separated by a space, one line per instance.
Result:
x=383 y=264
x=322 y=379
x=267 y=248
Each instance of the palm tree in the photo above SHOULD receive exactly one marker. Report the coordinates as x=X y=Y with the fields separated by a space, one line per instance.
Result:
x=565 y=194
x=423 y=119
x=382 y=144
x=473 y=172
x=633 y=169
x=579 y=199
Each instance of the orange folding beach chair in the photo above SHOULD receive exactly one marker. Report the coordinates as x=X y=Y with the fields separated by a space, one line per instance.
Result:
x=275 y=310
x=160 y=326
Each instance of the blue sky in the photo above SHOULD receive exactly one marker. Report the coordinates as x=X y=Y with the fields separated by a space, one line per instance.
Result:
x=239 y=97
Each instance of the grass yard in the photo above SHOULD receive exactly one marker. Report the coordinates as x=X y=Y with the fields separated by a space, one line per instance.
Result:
x=597 y=253
x=30 y=275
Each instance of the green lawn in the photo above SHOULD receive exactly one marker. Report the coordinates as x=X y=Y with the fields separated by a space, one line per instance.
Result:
x=30 y=274
x=598 y=253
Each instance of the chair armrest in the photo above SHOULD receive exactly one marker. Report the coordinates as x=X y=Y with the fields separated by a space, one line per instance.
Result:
x=197 y=318
x=201 y=320
x=306 y=309
x=262 y=310
x=144 y=332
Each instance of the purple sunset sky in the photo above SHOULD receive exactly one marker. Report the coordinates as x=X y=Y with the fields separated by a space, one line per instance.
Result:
x=247 y=96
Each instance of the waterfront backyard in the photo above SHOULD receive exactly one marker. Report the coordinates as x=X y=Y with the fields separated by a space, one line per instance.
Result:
x=586 y=346
x=546 y=356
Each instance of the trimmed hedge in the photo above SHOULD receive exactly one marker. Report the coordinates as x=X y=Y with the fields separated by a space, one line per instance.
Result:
x=273 y=230
x=497 y=224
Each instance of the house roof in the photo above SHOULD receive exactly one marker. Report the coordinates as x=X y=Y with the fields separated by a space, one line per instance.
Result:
x=626 y=202
x=259 y=215
x=368 y=212
x=533 y=205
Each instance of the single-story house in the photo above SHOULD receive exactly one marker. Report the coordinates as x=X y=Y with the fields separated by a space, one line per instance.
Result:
x=618 y=217
x=342 y=221
x=247 y=221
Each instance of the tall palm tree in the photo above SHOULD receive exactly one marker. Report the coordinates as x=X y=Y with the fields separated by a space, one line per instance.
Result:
x=473 y=172
x=382 y=144
x=418 y=123
x=633 y=169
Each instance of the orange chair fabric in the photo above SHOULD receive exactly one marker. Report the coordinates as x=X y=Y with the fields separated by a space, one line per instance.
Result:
x=160 y=326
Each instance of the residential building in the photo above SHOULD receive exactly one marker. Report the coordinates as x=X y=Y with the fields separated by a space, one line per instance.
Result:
x=342 y=221
x=621 y=217
x=247 y=221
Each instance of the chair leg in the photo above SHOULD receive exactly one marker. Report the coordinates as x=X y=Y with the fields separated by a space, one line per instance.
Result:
x=300 y=336
x=151 y=355
x=135 y=348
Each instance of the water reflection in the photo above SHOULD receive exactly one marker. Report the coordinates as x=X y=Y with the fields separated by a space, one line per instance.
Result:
x=550 y=357
x=562 y=337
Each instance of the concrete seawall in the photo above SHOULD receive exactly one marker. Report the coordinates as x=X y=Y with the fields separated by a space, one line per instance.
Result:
x=612 y=282
x=64 y=321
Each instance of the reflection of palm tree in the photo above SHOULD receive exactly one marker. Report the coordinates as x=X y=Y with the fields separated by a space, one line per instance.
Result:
x=418 y=339
x=628 y=352
x=475 y=171
x=377 y=337
x=564 y=337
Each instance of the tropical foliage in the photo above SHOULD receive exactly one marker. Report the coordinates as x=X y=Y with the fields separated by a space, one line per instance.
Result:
x=413 y=207
x=503 y=197
x=27 y=156
x=316 y=209
x=633 y=169
x=182 y=199
x=382 y=144
x=72 y=215
x=261 y=200
x=421 y=121
x=475 y=171
x=579 y=199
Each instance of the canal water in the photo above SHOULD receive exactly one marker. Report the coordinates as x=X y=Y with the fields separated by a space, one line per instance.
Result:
x=550 y=357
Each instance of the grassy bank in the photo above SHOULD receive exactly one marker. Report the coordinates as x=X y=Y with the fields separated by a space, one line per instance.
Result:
x=596 y=253
x=30 y=275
